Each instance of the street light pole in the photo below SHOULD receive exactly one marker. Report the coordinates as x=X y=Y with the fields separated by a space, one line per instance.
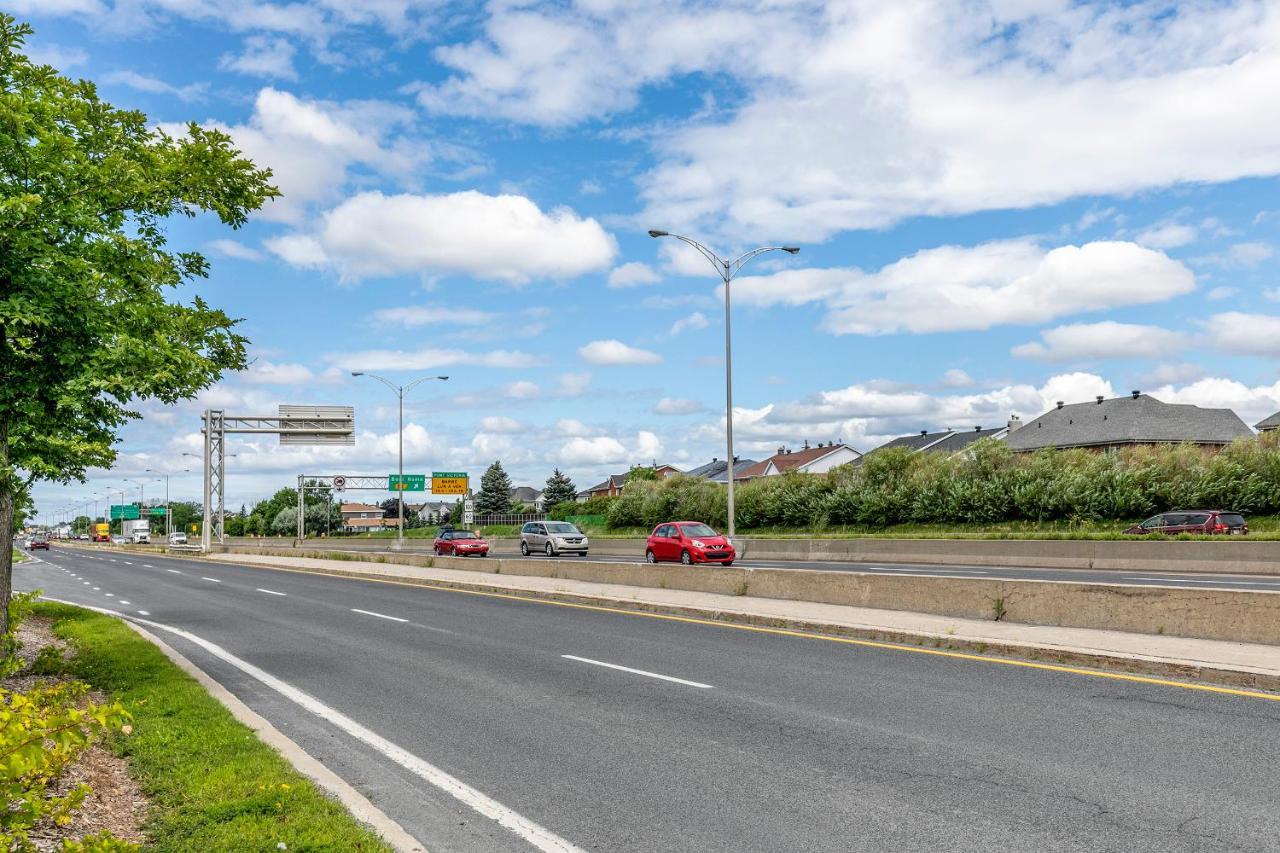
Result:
x=400 y=391
x=727 y=270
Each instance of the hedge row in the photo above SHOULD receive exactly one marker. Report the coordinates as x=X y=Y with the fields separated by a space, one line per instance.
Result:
x=990 y=483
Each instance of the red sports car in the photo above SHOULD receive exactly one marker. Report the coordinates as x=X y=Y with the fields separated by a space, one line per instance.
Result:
x=460 y=543
x=37 y=542
x=689 y=542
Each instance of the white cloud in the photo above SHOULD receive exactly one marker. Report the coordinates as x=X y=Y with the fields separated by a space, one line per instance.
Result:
x=959 y=288
x=1271 y=294
x=1169 y=235
x=429 y=358
x=413 y=316
x=600 y=450
x=1175 y=372
x=573 y=384
x=312 y=146
x=1090 y=99
x=1245 y=334
x=696 y=320
x=59 y=56
x=1252 y=404
x=262 y=56
x=1222 y=292
x=1091 y=341
x=677 y=406
x=505 y=238
x=234 y=249
x=270 y=373
x=522 y=390
x=1250 y=254
x=632 y=274
x=614 y=352
x=156 y=86
x=500 y=424
x=956 y=378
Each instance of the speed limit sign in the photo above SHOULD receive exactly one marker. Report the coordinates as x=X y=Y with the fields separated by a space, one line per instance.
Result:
x=339 y=483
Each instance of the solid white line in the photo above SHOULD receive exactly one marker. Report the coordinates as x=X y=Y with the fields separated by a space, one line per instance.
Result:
x=539 y=837
x=379 y=615
x=173 y=571
x=211 y=580
x=271 y=591
x=639 y=672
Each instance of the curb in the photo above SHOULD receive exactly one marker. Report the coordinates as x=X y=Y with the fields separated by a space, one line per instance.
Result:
x=360 y=807
x=1092 y=659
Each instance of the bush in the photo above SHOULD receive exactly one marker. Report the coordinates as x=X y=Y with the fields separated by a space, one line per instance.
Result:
x=988 y=483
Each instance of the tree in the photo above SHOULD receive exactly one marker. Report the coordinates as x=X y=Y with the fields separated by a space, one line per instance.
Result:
x=495 y=491
x=559 y=489
x=86 y=324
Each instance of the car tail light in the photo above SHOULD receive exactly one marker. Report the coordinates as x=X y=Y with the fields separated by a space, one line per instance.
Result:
x=1220 y=528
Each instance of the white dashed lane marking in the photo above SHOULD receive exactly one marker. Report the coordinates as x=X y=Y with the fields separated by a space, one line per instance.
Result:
x=271 y=591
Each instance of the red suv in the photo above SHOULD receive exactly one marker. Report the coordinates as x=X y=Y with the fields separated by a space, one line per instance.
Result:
x=1202 y=522
x=460 y=543
x=689 y=542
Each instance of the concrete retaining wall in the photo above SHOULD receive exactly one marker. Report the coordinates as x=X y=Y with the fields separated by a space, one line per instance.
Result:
x=1250 y=617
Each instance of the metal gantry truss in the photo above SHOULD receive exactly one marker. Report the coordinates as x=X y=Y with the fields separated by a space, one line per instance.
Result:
x=296 y=425
x=326 y=482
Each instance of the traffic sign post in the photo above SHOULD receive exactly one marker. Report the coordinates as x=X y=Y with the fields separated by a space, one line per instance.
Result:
x=449 y=482
x=406 y=482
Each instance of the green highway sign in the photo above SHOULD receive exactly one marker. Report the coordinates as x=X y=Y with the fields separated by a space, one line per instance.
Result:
x=127 y=512
x=157 y=510
x=406 y=482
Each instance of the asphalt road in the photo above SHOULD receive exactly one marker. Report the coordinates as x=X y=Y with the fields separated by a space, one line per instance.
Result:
x=1173 y=579
x=762 y=742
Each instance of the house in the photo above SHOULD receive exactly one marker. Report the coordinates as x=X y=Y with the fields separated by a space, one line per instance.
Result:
x=1269 y=424
x=948 y=441
x=365 y=518
x=612 y=486
x=529 y=496
x=716 y=469
x=806 y=460
x=1125 y=421
x=431 y=511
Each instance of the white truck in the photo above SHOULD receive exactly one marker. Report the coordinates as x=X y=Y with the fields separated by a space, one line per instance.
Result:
x=138 y=532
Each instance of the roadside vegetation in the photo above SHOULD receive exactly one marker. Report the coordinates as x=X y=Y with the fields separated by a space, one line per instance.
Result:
x=211 y=783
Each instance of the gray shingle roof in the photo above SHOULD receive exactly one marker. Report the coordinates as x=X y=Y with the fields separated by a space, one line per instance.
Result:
x=915 y=441
x=1272 y=422
x=525 y=494
x=1128 y=420
x=960 y=439
x=715 y=469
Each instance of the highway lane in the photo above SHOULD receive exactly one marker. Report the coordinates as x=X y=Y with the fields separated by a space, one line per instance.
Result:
x=1175 y=579
x=764 y=742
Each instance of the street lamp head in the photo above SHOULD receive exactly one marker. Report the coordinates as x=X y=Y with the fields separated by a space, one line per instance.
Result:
x=655 y=233
x=442 y=378
x=357 y=373
x=791 y=250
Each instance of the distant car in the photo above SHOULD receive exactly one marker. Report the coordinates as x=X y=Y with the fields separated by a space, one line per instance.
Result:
x=83 y=537
x=460 y=543
x=117 y=540
x=177 y=538
x=552 y=538
x=1202 y=522
x=689 y=542
x=37 y=543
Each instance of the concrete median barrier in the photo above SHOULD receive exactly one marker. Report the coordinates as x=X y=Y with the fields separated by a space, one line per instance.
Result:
x=1212 y=614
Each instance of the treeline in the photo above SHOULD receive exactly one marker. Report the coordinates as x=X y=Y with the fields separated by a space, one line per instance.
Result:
x=988 y=484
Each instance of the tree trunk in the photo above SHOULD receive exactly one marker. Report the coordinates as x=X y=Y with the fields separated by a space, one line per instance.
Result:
x=7 y=497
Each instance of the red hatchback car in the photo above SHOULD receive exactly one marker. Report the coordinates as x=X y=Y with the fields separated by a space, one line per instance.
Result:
x=1201 y=522
x=460 y=543
x=689 y=542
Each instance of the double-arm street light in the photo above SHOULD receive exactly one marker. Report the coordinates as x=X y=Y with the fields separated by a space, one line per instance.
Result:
x=400 y=391
x=168 y=514
x=728 y=270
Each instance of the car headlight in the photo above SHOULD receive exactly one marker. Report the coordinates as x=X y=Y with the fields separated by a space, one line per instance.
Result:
x=698 y=543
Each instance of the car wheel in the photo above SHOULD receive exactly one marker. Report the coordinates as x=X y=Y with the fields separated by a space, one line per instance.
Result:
x=650 y=557
x=686 y=558
x=437 y=550
x=728 y=562
x=551 y=552
x=524 y=548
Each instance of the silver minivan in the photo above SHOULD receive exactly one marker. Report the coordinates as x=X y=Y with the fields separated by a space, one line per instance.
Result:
x=552 y=538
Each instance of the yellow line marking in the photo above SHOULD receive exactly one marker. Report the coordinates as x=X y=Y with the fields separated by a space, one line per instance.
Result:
x=805 y=635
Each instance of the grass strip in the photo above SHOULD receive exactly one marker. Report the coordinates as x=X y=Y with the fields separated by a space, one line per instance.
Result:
x=212 y=783
x=18 y=557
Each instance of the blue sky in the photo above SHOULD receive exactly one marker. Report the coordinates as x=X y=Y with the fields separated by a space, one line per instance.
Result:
x=999 y=205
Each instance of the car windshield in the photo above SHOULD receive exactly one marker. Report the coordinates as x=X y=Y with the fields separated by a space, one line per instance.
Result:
x=697 y=530
x=563 y=528
x=464 y=534
x=1231 y=519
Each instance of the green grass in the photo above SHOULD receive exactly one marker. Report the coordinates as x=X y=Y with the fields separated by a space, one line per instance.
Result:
x=18 y=556
x=213 y=785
